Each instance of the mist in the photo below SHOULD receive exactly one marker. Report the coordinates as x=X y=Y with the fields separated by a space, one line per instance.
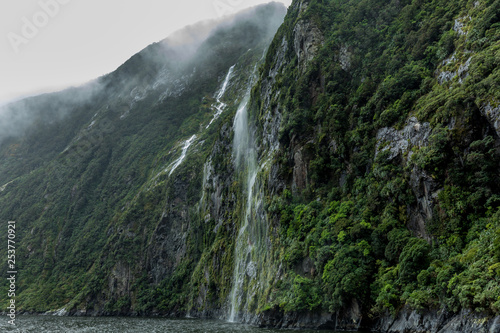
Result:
x=17 y=117
x=164 y=69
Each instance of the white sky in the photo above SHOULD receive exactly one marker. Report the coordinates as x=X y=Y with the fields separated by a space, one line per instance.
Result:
x=84 y=39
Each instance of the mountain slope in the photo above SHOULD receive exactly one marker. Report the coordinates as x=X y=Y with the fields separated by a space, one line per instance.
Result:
x=352 y=176
x=91 y=166
x=384 y=188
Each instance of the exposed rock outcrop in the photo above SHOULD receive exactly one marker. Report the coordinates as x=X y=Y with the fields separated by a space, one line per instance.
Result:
x=448 y=75
x=492 y=114
x=120 y=280
x=409 y=321
x=307 y=42
x=345 y=58
x=414 y=134
x=350 y=319
x=400 y=144
x=299 y=171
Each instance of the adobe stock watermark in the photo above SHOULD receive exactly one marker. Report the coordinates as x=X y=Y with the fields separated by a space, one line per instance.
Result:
x=11 y=271
x=48 y=10
x=226 y=7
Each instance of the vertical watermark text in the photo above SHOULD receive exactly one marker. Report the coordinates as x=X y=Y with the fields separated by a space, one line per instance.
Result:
x=11 y=271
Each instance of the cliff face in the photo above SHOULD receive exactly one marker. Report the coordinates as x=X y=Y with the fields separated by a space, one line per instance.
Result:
x=381 y=166
x=439 y=322
x=125 y=190
x=344 y=175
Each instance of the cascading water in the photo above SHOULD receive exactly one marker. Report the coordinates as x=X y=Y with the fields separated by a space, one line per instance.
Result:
x=178 y=162
x=220 y=106
x=250 y=248
x=243 y=153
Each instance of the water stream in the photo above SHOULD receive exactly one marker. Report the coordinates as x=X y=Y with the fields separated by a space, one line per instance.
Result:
x=249 y=249
x=185 y=148
x=220 y=106
x=246 y=162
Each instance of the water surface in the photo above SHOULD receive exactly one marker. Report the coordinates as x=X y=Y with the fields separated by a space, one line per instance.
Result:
x=53 y=324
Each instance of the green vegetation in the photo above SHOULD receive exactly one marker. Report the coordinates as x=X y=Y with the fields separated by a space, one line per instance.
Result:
x=353 y=217
x=411 y=220
x=96 y=210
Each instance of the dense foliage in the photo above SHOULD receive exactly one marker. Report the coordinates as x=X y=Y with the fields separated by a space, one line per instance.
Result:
x=384 y=191
x=88 y=179
x=380 y=64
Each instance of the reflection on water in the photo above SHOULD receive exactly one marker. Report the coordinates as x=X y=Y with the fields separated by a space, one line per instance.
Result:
x=53 y=324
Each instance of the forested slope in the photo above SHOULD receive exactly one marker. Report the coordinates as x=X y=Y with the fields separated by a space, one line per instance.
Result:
x=353 y=175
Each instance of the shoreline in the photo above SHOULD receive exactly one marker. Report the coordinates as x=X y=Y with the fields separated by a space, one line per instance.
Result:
x=406 y=321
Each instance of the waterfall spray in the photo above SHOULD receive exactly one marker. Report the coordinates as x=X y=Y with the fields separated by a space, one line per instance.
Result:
x=243 y=153
x=250 y=248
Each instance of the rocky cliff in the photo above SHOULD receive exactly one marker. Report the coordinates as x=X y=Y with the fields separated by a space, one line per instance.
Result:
x=340 y=172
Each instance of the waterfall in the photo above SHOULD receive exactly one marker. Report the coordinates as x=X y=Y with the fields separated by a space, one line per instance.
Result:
x=243 y=153
x=250 y=249
x=178 y=162
x=220 y=106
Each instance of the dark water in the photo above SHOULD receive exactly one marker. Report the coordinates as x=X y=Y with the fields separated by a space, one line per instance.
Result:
x=49 y=324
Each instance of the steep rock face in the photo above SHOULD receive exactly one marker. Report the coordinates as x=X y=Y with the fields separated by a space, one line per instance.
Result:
x=344 y=58
x=307 y=41
x=333 y=128
x=438 y=322
x=218 y=200
x=216 y=206
x=400 y=144
x=168 y=244
x=120 y=280
x=349 y=319
x=123 y=165
x=299 y=172
x=425 y=190
x=457 y=65
x=297 y=216
x=492 y=114
x=272 y=113
x=461 y=73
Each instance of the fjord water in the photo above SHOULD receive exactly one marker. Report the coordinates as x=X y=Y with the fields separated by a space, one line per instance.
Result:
x=54 y=324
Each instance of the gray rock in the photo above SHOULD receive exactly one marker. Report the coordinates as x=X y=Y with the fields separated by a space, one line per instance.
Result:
x=345 y=58
x=459 y=27
x=414 y=134
x=400 y=144
x=412 y=321
x=307 y=41
x=299 y=172
x=462 y=73
x=492 y=114
x=495 y=325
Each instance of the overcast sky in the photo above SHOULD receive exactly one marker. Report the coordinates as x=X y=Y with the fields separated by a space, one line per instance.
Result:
x=46 y=45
